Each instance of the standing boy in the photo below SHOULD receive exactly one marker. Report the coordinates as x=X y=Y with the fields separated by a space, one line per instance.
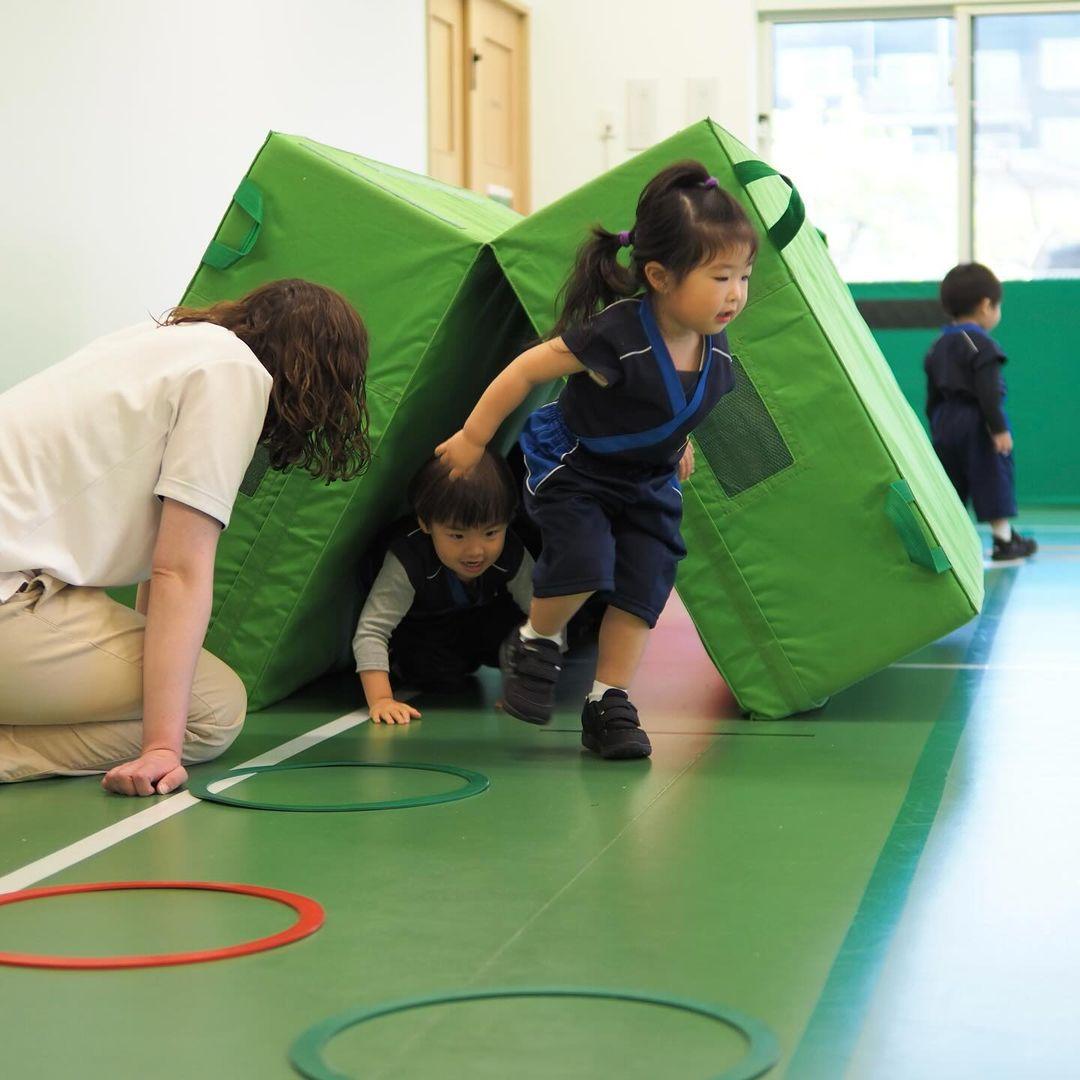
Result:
x=964 y=395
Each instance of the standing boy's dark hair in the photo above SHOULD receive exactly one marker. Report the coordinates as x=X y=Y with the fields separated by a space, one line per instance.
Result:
x=684 y=218
x=966 y=286
x=486 y=496
x=315 y=346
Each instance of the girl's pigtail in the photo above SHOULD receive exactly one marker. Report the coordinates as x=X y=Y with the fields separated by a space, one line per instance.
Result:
x=598 y=279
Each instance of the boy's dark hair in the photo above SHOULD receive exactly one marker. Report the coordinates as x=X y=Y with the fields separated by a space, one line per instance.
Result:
x=966 y=286
x=487 y=496
x=315 y=346
x=684 y=218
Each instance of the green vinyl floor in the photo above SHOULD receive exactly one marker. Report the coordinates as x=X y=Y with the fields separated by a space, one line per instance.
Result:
x=889 y=885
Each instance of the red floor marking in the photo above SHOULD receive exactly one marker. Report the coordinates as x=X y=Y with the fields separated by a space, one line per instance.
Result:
x=310 y=918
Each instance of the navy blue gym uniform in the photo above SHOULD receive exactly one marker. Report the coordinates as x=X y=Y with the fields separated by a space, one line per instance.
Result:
x=453 y=626
x=602 y=481
x=964 y=396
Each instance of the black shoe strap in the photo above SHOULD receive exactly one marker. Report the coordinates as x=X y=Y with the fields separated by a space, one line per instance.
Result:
x=618 y=713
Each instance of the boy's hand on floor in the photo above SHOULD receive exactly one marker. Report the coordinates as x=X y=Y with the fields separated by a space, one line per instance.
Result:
x=389 y=711
x=1003 y=442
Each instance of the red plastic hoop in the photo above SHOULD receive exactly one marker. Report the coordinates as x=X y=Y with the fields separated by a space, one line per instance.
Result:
x=311 y=916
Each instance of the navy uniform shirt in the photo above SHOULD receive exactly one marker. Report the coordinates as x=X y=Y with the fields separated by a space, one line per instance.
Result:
x=643 y=409
x=964 y=364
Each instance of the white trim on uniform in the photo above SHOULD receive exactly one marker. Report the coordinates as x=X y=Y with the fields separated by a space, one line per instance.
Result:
x=562 y=458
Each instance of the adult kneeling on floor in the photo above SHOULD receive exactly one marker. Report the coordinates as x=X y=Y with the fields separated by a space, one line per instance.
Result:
x=121 y=465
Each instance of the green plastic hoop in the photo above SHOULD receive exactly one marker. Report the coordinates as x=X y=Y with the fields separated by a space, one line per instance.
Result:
x=762 y=1053
x=475 y=784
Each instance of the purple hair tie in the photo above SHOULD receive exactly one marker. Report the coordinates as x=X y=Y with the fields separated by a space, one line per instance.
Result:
x=710 y=183
x=624 y=238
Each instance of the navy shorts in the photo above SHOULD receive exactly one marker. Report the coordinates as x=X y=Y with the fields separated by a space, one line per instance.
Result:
x=977 y=471
x=610 y=529
x=438 y=653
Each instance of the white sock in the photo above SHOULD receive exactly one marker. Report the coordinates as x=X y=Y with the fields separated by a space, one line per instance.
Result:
x=599 y=689
x=1002 y=532
x=530 y=633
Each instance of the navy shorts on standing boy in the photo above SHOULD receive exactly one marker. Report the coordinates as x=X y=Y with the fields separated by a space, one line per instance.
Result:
x=602 y=460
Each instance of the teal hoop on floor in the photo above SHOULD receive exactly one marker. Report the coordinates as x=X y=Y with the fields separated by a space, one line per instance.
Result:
x=762 y=1053
x=475 y=784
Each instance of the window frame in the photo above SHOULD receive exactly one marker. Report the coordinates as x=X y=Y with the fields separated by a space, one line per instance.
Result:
x=964 y=15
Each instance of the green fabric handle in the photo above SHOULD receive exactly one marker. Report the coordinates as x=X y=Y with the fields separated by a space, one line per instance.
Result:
x=256 y=470
x=903 y=512
x=783 y=231
x=249 y=198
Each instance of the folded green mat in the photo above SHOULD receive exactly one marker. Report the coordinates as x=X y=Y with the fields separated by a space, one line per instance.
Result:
x=411 y=255
x=825 y=540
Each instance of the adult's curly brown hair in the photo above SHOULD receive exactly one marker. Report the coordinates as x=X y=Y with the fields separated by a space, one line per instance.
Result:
x=315 y=346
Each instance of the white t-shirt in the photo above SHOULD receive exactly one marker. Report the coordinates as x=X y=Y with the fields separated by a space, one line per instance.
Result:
x=89 y=446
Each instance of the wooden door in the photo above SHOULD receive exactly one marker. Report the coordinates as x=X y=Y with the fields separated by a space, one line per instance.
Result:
x=498 y=102
x=478 y=107
x=447 y=150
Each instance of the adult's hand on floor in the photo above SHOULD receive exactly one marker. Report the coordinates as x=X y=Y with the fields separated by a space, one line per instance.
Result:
x=389 y=711
x=155 y=772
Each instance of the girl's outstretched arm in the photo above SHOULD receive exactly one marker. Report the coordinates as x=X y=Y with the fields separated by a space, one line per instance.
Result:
x=541 y=364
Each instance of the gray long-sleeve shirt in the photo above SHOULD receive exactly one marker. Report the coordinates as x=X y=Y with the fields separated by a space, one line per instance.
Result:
x=389 y=601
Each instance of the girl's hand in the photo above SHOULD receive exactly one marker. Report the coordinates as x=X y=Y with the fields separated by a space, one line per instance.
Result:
x=1003 y=442
x=389 y=711
x=686 y=463
x=460 y=453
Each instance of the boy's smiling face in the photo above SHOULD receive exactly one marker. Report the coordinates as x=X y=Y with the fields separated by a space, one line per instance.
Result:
x=467 y=552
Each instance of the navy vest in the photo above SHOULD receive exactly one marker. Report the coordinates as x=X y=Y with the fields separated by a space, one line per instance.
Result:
x=439 y=591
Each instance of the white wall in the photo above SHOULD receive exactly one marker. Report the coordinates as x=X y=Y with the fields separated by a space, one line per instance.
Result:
x=585 y=51
x=125 y=125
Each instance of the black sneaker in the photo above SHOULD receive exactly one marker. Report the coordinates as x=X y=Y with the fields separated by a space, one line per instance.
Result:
x=610 y=727
x=1016 y=547
x=530 y=668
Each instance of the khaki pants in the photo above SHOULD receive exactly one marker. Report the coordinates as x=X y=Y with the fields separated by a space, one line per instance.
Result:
x=71 y=686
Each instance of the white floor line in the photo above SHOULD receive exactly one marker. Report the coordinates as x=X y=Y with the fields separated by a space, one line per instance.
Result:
x=1045 y=668
x=1033 y=526
x=108 y=837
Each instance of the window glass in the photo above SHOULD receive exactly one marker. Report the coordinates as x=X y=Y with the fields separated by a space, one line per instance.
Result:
x=1027 y=144
x=864 y=124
